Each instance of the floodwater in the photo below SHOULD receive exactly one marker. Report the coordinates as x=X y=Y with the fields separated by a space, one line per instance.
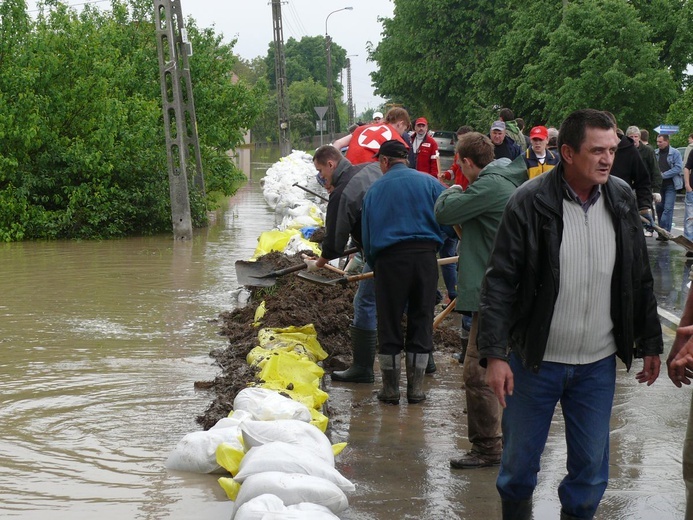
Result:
x=102 y=342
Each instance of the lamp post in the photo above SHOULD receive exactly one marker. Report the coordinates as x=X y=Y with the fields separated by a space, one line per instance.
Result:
x=330 y=101
x=350 y=98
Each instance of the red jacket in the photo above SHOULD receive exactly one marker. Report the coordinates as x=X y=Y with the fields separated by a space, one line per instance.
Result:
x=366 y=140
x=455 y=173
x=426 y=155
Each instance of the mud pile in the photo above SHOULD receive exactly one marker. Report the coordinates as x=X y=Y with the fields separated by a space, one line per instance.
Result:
x=291 y=301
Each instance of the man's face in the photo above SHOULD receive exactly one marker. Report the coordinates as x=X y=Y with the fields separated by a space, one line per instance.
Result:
x=377 y=119
x=326 y=170
x=539 y=145
x=636 y=139
x=468 y=169
x=662 y=143
x=592 y=163
x=690 y=140
x=421 y=129
x=497 y=136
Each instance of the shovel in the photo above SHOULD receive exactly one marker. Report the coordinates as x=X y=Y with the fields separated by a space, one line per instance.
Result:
x=680 y=240
x=310 y=191
x=321 y=280
x=259 y=274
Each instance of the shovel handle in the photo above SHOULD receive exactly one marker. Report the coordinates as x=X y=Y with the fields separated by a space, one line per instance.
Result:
x=371 y=274
x=658 y=229
x=447 y=310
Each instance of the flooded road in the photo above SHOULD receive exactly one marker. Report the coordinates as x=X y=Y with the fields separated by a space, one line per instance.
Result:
x=102 y=342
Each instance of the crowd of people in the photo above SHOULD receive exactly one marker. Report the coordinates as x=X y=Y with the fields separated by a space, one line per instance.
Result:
x=552 y=281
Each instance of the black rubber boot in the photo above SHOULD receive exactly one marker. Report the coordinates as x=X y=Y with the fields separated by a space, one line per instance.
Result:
x=416 y=367
x=363 y=345
x=390 y=368
x=517 y=510
x=431 y=365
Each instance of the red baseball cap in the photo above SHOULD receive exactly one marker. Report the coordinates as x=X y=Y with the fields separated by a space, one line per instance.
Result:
x=421 y=120
x=539 y=132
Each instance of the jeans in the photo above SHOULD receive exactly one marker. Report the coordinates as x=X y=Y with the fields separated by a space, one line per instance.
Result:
x=665 y=209
x=688 y=216
x=586 y=395
x=449 y=271
x=364 y=303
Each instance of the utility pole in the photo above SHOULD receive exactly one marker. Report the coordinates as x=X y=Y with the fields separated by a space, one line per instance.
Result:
x=180 y=123
x=350 y=98
x=281 y=82
x=330 y=100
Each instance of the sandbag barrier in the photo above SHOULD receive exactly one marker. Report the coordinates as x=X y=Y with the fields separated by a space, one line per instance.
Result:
x=273 y=442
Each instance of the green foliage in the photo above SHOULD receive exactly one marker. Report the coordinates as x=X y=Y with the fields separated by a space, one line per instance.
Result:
x=542 y=58
x=82 y=149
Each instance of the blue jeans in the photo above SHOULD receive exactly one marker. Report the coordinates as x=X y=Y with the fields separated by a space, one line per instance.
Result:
x=364 y=303
x=586 y=395
x=449 y=271
x=688 y=216
x=665 y=209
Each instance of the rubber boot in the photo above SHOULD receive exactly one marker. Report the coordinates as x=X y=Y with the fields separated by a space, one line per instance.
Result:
x=431 y=365
x=363 y=345
x=390 y=368
x=566 y=516
x=416 y=367
x=517 y=510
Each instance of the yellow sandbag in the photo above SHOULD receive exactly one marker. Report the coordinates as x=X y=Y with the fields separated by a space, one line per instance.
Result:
x=316 y=215
x=318 y=420
x=289 y=368
x=229 y=457
x=230 y=486
x=305 y=336
x=259 y=313
x=338 y=448
x=307 y=394
x=274 y=240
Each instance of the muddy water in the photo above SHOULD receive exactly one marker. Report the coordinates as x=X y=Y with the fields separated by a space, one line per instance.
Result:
x=102 y=343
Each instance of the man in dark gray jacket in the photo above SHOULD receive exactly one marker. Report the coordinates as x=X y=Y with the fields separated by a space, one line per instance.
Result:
x=568 y=288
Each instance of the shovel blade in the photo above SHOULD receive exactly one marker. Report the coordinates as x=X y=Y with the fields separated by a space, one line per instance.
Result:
x=254 y=274
x=320 y=280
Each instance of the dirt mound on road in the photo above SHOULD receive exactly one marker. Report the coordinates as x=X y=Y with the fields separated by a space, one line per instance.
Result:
x=291 y=301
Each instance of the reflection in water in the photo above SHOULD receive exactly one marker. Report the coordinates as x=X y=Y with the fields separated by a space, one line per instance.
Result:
x=102 y=342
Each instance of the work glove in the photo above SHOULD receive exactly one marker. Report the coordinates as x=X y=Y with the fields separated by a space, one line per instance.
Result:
x=650 y=225
x=657 y=198
x=312 y=264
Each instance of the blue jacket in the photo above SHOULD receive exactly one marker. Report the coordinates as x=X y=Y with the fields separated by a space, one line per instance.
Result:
x=398 y=207
x=675 y=171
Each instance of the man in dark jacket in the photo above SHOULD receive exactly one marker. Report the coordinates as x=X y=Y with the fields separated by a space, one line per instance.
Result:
x=648 y=158
x=503 y=145
x=568 y=288
x=348 y=184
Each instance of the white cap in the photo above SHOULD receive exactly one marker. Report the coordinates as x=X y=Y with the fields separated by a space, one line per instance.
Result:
x=377 y=114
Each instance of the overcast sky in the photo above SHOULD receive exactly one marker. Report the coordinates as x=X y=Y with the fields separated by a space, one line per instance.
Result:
x=250 y=21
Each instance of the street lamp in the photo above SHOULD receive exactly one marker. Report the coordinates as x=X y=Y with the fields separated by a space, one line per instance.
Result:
x=330 y=101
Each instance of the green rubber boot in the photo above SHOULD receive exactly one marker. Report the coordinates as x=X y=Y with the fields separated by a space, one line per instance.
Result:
x=416 y=368
x=361 y=371
x=390 y=368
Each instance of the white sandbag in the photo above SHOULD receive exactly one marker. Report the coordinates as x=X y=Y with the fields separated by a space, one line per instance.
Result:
x=289 y=458
x=271 y=507
x=197 y=451
x=293 y=488
x=268 y=405
x=233 y=421
x=299 y=433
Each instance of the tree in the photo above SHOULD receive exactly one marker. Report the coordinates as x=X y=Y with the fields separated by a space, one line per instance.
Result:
x=428 y=66
x=82 y=153
x=599 y=66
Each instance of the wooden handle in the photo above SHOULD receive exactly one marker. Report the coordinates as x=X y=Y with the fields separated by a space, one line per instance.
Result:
x=447 y=310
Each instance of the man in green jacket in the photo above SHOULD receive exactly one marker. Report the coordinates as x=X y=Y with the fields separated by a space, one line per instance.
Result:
x=478 y=212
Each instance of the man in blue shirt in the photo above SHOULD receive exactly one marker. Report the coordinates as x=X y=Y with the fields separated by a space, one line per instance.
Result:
x=400 y=239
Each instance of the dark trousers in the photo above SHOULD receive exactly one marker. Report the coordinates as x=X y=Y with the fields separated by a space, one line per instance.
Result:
x=406 y=277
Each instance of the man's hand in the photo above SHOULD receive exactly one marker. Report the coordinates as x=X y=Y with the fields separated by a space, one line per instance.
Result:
x=650 y=370
x=312 y=264
x=657 y=198
x=680 y=360
x=499 y=378
x=648 y=215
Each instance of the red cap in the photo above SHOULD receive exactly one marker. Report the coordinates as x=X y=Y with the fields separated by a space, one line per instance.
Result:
x=539 y=132
x=421 y=120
